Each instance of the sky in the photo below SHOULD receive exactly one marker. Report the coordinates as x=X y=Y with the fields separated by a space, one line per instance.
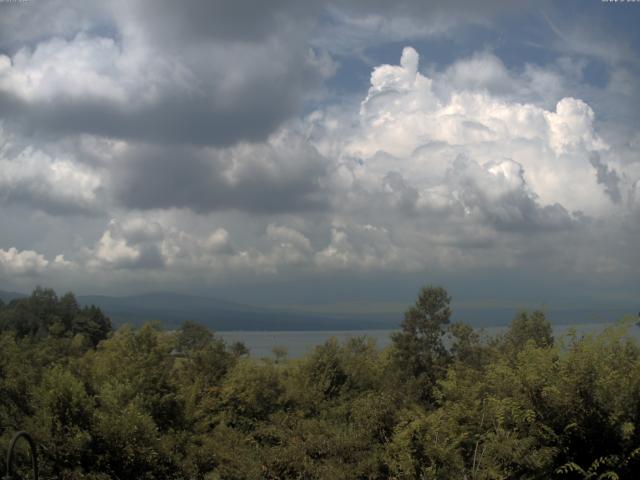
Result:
x=327 y=152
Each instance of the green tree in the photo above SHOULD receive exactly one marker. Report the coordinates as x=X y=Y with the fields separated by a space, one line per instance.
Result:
x=192 y=336
x=43 y=314
x=62 y=422
x=418 y=347
x=92 y=323
x=467 y=345
x=324 y=371
x=529 y=327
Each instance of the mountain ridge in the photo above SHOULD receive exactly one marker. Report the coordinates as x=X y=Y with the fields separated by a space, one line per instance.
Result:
x=172 y=309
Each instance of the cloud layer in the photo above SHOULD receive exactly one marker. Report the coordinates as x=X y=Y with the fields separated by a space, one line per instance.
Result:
x=198 y=143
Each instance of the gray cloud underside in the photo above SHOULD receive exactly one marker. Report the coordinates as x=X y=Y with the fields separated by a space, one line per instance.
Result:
x=260 y=179
x=214 y=73
x=179 y=120
x=608 y=178
x=38 y=196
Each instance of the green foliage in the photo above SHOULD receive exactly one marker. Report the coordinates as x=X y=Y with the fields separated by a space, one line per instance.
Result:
x=43 y=315
x=324 y=371
x=527 y=327
x=63 y=413
x=250 y=392
x=611 y=467
x=192 y=337
x=149 y=404
x=419 y=349
x=467 y=345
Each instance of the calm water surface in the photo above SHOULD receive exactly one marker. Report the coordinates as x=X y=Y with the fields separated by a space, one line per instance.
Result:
x=299 y=343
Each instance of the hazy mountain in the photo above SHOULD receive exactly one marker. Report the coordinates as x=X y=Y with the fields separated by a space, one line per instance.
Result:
x=172 y=309
x=8 y=296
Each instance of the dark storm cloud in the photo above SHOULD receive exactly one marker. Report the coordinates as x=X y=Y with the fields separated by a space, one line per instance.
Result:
x=254 y=178
x=246 y=20
x=163 y=21
x=258 y=111
x=219 y=72
x=25 y=23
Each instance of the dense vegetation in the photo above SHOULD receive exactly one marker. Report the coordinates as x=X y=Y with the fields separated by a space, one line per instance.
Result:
x=443 y=401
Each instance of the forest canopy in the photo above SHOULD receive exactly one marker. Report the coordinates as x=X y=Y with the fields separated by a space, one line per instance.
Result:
x=443 y=401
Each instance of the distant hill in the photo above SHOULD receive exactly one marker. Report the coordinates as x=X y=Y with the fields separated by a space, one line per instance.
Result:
x=172 y=309
x=8 y=296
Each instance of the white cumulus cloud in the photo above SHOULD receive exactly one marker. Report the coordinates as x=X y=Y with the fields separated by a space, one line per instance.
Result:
x=22 y=262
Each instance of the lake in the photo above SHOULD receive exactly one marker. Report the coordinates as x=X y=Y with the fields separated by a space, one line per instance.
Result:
x=299 y=343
